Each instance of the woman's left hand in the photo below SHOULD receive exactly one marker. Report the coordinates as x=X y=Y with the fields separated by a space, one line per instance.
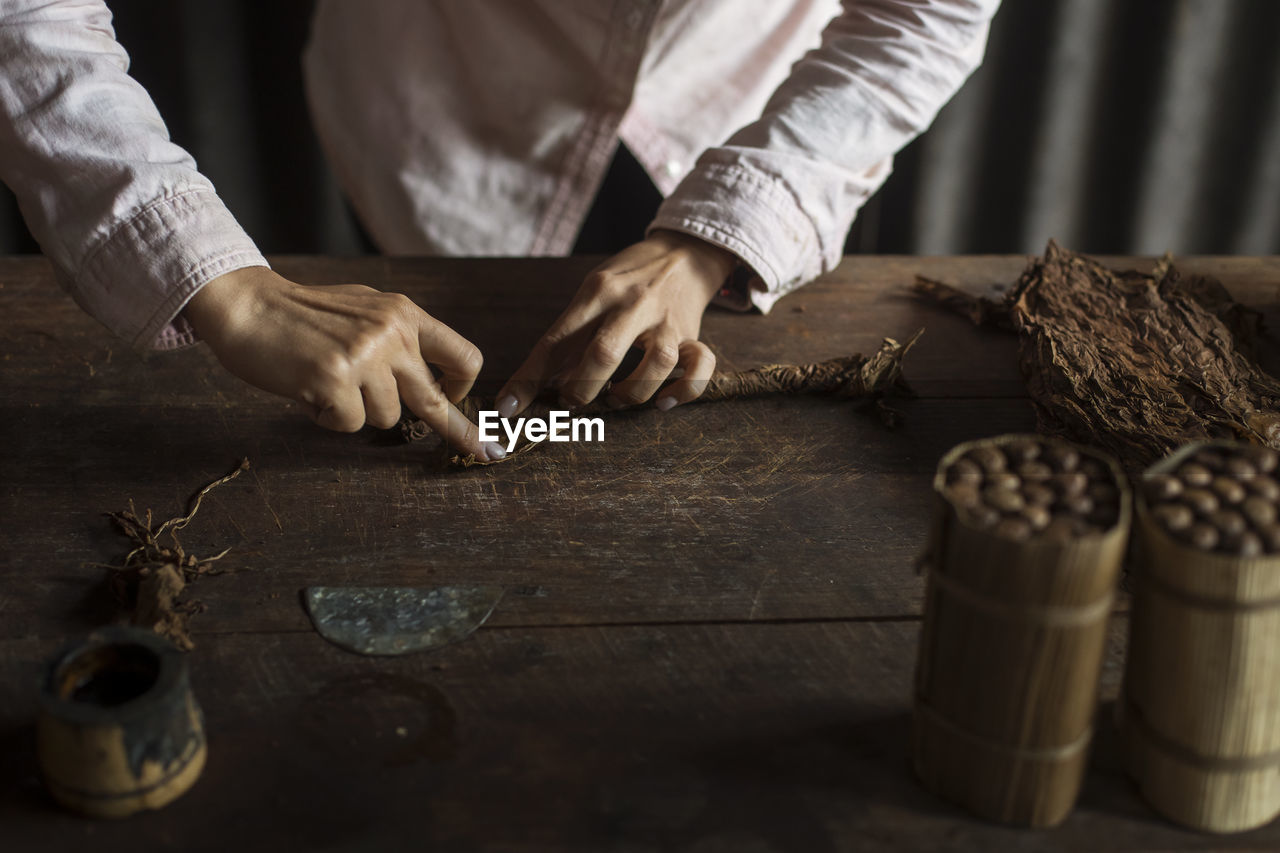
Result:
x=650 y=295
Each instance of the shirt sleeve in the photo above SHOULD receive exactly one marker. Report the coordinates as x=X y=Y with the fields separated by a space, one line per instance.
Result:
x=782 y=192
x=132 y=229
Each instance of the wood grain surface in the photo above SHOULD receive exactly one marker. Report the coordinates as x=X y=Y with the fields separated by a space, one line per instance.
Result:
x=710 y=621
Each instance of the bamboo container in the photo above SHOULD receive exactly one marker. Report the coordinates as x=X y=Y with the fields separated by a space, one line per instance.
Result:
x=119 y=730
x=1011 y=649
x=1200 y=710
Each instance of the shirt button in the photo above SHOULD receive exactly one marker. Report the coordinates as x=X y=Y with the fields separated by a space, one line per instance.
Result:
x=635 y=18
x=674 y=168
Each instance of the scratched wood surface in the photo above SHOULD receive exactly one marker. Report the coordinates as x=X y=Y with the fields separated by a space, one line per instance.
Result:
x=709 y=626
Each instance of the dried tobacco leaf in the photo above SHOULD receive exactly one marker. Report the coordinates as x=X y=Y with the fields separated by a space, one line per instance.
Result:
x=1136 y=363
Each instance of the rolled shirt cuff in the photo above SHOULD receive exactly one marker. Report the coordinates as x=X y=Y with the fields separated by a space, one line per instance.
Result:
x=754 y=216
x=137 y=281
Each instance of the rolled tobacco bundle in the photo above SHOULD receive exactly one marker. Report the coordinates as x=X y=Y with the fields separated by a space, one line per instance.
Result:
x=1218 y=498
x=1023 y=561
x=1200 y=710
x=854 y=377
x=1027 y=487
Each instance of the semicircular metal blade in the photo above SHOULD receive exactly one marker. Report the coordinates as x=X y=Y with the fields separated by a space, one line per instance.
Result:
x=376 y=620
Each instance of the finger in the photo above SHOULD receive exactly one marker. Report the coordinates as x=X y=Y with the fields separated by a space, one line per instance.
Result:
x=661 y=356
x=546 y=366
x=601 y=357
x=340 y=411
x=698 y=363
x=528 y=380
x=458 y=359
x=381 y=400
x=426 y=399
x=545 y=360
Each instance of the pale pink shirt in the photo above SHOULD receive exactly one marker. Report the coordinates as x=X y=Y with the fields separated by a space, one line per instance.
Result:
x=485 y=128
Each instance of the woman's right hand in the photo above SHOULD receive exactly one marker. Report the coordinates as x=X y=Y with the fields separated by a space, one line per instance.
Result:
x=348 y=353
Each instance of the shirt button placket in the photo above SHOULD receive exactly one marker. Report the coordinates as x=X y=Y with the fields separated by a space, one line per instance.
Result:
x=635 y=23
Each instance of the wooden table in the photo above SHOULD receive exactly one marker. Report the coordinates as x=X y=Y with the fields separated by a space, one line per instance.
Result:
x=710 y=623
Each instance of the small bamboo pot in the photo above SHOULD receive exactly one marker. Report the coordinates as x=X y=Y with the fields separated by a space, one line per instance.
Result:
x=1200 y=711
x=119 y=730
x=1011 y=649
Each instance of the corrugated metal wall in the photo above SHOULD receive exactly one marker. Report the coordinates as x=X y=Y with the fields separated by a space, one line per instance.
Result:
x=1114 y=125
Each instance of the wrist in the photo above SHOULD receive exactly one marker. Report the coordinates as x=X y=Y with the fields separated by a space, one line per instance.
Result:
x=716 y=264
x=217 y=305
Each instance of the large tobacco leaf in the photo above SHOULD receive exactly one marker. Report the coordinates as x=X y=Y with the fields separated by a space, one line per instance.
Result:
x=1136 y=363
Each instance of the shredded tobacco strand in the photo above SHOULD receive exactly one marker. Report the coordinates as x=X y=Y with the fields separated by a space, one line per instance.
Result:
x=152 y=577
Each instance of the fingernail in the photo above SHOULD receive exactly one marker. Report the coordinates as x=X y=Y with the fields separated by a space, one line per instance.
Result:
x=507 y=406
x=666 y=404
x=493 y=451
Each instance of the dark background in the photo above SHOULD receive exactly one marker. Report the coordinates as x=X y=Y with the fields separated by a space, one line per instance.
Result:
x=1122 y=126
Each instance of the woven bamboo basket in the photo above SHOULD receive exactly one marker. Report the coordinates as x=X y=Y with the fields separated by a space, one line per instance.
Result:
x=1200 y=709
x=1010 y=653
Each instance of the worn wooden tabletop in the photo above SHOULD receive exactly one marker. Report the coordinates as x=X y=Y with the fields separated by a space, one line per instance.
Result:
x=710 y=622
